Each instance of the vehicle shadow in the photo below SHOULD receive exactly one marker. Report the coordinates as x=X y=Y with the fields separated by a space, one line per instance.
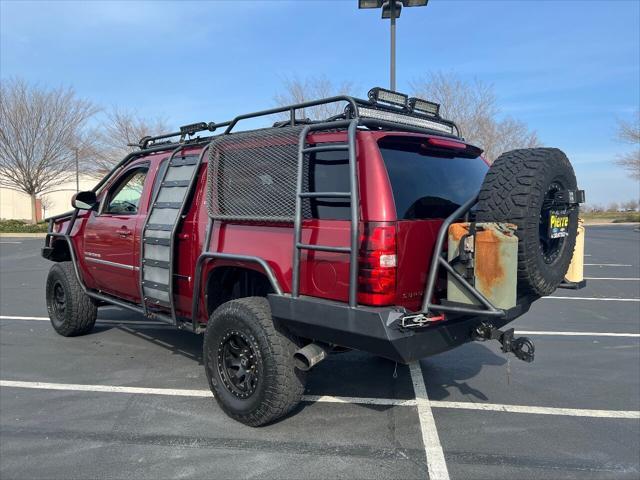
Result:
x=451 y=370
x=351 y=374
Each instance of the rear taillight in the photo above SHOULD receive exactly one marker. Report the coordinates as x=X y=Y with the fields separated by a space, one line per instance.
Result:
x=377 y=264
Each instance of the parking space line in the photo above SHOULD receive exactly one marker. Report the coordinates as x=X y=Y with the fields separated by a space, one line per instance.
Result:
x=553 y=297
x=106 y=388
x=607 y=265
x=360 y=400
x=578 y=334
x=436 y=463
x=612 y=278
x=420 y=399
x=570 y=412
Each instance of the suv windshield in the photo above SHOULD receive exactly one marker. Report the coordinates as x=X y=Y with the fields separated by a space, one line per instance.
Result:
x=427 y=183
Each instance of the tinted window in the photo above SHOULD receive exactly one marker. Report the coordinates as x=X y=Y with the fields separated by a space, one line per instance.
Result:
x=124 y=198
x=327 y=172
x=427 y=184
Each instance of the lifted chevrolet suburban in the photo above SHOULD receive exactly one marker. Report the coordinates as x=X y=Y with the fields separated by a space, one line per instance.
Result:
x=379 y=229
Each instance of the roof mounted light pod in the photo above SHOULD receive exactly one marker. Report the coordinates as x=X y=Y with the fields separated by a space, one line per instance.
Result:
x=382 y=95
x=425 y=107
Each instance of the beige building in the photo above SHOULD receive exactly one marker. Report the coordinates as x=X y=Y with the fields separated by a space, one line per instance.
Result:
x=15 y=205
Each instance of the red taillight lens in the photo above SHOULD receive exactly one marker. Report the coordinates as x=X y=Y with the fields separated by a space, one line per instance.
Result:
x=378 y=264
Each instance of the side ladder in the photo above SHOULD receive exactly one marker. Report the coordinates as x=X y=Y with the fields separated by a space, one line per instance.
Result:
x=352 y=196
x=157 y=246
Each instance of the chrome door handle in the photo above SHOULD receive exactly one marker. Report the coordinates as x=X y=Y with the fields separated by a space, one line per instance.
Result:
x=123 y=233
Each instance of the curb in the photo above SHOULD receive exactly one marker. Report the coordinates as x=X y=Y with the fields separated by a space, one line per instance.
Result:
x=22 y=235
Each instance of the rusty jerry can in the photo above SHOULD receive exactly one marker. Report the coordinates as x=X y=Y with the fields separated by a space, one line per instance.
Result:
x=487 y=259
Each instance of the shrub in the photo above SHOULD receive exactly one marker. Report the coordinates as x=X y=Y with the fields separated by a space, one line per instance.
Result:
x=20 y=226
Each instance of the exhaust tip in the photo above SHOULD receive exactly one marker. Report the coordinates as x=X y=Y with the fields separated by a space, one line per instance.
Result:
x=309 y=356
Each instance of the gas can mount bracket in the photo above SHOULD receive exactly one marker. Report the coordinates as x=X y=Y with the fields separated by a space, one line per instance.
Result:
x=522 y=347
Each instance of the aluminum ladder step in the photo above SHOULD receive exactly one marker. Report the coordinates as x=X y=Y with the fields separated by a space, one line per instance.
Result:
x=158 y=233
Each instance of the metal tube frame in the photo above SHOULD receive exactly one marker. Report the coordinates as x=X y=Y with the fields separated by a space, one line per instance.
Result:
x=351 y=125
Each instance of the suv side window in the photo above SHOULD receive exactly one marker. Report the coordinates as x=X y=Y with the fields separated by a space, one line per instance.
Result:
x=124 y=197
x=327 y=172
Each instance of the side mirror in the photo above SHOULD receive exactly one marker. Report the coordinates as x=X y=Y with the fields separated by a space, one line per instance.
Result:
x=84 y=200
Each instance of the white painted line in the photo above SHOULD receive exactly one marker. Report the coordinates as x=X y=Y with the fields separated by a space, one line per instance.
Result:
x=360 y=400
x=579 y=334
x=594 y=298
x=607 y=265
x=574 y=412
x=570 y=412
x=436 y=463
x=7 y=317
x=14 y=243
x=612 y=278
x=106 y=388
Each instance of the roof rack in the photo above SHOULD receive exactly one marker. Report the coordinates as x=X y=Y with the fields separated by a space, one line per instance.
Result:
x=385 y=108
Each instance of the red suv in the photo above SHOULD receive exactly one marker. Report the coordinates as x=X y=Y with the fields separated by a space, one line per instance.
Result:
x=286 y=243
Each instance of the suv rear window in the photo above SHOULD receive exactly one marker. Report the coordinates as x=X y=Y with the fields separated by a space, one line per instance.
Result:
x=426 y=183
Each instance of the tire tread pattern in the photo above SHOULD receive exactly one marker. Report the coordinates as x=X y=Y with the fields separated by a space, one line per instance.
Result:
x=513 y=191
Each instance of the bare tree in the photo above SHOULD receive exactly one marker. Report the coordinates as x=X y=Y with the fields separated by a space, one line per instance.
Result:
x=47 y=204
x=474 y=108
x=38 y=128
x=110 y=142
x=296 y=90
x=629 y=132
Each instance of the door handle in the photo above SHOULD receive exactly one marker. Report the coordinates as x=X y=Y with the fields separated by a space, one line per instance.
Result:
x=125 y=232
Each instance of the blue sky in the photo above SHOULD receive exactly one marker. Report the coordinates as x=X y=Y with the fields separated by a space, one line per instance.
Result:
x=567 y=68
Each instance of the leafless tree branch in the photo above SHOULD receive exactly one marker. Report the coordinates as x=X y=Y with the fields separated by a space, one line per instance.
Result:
x=629 y=132
x=296 y=90
x=474 y=107
x=38 y=130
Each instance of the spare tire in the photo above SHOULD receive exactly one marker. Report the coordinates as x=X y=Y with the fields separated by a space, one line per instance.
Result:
x=522 y=187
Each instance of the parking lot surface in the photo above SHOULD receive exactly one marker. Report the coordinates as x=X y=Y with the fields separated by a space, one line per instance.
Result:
x=130 y=400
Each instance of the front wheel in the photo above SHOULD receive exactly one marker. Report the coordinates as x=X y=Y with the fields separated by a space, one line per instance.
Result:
x=71 y=311
x=249 y=363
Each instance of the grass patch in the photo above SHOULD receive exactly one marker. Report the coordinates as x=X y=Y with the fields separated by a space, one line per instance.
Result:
x=20 y=226
x=610 y=217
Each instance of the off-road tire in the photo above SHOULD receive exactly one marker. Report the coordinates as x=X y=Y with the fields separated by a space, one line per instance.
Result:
x=513 y=191
x=71 y=311
x=279 y=385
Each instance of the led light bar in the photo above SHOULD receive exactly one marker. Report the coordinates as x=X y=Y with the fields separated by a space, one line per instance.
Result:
x=381 y=95
x=423 y=106
x=404 y=119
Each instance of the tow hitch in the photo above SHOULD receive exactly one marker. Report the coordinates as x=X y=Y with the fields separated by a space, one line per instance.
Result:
x=521 y=347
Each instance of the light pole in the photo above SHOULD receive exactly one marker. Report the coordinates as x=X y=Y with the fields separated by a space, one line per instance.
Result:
x=77 y=170
x=391 y=9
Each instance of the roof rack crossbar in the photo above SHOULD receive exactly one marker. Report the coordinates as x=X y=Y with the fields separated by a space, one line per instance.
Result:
x=351 y=101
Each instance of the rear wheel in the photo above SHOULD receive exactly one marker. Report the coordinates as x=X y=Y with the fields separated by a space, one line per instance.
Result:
x=249 y=363
x=71 y=311
x=522 y=187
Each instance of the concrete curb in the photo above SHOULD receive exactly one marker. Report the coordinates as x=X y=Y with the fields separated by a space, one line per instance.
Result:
x=22 y=235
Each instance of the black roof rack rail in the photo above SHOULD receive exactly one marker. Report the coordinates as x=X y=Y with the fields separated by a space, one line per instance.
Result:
x=394 y=114
x=185 y=131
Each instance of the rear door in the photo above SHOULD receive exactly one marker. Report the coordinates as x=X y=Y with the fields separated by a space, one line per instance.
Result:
x=112 y=235
x=429 y=182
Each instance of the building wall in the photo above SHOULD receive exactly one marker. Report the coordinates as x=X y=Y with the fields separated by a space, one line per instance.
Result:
x=16 y=205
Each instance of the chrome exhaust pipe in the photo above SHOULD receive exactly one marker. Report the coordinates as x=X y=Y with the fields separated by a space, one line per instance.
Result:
x=308 y=357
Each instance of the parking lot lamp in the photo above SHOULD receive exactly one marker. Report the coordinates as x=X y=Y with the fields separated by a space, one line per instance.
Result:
x=391 y=9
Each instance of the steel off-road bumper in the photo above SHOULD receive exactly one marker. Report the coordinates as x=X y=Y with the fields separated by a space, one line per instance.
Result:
x=376 y=330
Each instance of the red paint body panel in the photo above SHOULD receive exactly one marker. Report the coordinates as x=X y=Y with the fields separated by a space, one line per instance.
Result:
x=322 y=274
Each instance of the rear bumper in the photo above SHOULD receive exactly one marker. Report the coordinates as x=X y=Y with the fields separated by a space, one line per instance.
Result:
x=376 y=330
